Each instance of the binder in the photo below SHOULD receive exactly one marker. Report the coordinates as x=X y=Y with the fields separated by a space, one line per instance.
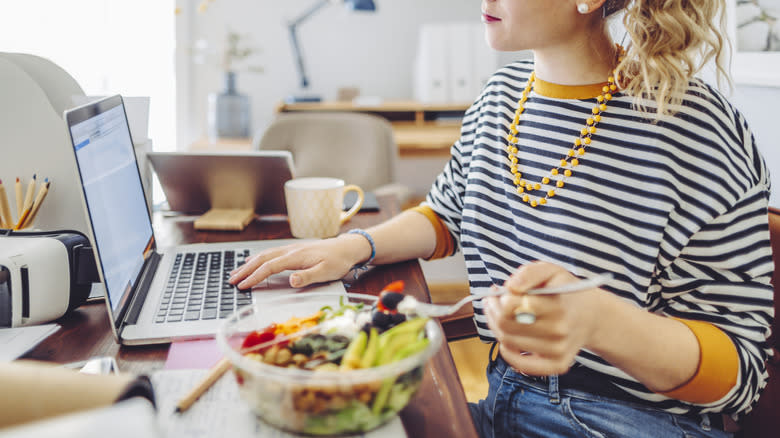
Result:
x=461 y=52
x=433 y=65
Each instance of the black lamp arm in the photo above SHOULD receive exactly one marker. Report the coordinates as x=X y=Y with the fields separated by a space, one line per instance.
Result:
x=292 y=27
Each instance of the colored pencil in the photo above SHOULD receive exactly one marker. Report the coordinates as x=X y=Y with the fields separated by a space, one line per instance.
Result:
x=29 y=195
x=37 y=204
x=6 y=220
x=22 y=219
x=213 y=375
x=19 y=198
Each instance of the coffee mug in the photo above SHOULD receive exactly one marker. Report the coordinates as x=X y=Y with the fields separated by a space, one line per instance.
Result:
x=314 y=206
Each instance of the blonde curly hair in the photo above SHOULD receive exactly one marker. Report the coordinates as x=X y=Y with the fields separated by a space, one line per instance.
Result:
x=671 y=40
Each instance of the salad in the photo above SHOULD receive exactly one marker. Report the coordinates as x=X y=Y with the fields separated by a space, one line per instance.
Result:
x=339 y=347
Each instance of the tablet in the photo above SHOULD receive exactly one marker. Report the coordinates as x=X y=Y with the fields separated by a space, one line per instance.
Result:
x=194 y=182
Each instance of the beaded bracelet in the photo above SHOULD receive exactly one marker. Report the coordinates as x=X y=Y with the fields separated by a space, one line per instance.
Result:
x=363 y=266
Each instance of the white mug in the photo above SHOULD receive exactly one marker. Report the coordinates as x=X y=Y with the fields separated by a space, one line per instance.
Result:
x=314 y=206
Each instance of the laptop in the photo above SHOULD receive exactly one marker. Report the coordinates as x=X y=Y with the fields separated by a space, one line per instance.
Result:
x=152 y=295
x=194 y=182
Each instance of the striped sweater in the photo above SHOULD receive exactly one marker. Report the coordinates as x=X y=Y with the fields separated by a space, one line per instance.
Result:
x=676 y=211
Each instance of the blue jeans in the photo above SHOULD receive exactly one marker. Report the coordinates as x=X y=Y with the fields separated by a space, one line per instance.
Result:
x=522 y=406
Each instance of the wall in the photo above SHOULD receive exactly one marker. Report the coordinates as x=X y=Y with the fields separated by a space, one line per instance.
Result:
x=759 y=106
x=372 y=51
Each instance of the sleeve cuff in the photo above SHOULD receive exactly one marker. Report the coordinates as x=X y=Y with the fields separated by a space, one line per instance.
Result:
x=718 y=366
x=445 y=243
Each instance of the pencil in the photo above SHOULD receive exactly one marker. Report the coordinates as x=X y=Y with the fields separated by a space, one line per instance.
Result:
x=214 y=374
x=28 y=197
x=6 y=221
x=37 y=204
x=19 y=198
x=22 y=219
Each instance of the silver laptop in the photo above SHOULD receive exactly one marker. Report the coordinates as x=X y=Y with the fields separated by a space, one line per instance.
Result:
x=152 y=296
x=194 y=182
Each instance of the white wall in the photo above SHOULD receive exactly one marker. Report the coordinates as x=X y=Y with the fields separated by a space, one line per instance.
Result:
x=108 y=47
x=372 y=51
x=759 y=106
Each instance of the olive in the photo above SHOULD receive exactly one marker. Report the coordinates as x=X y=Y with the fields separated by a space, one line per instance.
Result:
x=380 y=320
x=390 y=299
x=397 y=318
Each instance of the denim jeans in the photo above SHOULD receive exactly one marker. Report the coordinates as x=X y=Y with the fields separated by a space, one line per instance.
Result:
x=521 y=406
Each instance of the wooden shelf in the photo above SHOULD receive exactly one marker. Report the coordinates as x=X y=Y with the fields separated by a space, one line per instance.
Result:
x=419 y=129
x=226 y=144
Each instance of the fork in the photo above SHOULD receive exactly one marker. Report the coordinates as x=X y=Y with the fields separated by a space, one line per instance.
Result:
x=411 y=306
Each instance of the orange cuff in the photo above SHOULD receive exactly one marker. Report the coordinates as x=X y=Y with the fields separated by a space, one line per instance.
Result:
x=445 y=243
x=718 y=366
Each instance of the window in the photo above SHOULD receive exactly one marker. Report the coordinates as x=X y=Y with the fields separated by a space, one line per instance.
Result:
x=108 y=46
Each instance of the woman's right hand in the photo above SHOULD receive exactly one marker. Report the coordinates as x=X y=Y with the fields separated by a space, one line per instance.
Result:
x=318 y=261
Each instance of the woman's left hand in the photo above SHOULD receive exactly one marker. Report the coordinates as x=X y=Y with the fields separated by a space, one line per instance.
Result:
x=564 y=324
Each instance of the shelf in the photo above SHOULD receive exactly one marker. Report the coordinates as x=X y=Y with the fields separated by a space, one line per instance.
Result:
x=420 y=129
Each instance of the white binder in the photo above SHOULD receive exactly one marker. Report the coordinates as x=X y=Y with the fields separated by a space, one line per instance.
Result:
x=432 y=76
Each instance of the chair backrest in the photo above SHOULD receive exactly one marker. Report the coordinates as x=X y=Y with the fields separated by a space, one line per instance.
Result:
x=763 y=421
x=774 y=236
x=358 y=148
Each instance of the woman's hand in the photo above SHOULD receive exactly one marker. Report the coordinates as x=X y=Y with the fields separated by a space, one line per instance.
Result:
x=564 y=323
x=319 y=261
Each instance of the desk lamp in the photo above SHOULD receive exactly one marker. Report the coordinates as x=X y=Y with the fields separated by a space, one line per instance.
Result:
x=355 y=5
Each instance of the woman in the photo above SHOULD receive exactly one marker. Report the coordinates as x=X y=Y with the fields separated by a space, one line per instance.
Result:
x=593 y=159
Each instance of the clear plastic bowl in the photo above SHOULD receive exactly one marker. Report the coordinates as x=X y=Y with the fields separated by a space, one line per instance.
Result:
x=319 y=402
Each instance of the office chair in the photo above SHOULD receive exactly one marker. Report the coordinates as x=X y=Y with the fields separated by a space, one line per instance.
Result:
x=358 y=148
x=763 y=421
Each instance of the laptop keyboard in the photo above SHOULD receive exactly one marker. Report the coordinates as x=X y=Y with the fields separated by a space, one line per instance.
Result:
x=198 y=287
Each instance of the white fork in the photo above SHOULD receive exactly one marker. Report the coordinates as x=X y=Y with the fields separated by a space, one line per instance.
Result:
x=411 y=306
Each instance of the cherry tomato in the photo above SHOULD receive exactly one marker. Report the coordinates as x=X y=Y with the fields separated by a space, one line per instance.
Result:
x=396 y=286
x=257 y=338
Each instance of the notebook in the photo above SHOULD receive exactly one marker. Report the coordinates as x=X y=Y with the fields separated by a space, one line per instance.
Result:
x=152 y=295
x=195 y=182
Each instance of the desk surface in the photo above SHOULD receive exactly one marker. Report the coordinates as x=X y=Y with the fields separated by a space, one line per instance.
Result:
x=439 y=409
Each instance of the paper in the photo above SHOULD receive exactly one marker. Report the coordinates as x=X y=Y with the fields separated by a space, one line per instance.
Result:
x=128 y=419
x=14 y=342
x=35 y=390
x=221 y=412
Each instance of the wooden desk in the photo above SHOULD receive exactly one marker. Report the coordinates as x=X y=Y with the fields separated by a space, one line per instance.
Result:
x=419 y=129
x=439 y=409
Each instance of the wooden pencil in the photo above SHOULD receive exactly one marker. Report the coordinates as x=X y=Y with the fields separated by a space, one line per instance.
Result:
x=213 y=375
x=6 y=220
x=29 y=195
x=19 y=198
x=22 y=219
x=37 y=204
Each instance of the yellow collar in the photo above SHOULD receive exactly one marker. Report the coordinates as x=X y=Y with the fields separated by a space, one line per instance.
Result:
x=556 y=91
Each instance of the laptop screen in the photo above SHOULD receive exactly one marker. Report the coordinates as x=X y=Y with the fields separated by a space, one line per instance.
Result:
x=114 y=194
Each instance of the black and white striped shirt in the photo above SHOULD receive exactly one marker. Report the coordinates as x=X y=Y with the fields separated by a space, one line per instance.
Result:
x=676 y=211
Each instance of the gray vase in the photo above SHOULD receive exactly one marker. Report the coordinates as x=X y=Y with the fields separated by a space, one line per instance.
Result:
x=228 y=112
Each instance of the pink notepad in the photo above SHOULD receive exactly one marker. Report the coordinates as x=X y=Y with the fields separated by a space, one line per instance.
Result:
x=197 y=354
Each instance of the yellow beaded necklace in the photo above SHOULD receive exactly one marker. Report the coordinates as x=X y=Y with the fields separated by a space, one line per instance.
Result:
x=563 y=170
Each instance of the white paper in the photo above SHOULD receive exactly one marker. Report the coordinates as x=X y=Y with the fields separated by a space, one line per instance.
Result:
x=14 y=342
x=131 y=418
x=221 y=412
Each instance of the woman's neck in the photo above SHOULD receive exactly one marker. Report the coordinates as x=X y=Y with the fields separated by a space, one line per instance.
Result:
x=587 y=60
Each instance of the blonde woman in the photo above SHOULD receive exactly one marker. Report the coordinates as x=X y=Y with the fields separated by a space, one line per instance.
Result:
x=590 y=159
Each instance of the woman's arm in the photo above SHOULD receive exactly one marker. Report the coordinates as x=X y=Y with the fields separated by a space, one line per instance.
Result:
x=660 y=352
x=406 y=236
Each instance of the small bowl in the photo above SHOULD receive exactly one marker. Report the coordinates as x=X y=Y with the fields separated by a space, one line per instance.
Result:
x=319 y=402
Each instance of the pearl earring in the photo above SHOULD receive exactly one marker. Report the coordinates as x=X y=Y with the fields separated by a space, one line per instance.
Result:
x=582 y=8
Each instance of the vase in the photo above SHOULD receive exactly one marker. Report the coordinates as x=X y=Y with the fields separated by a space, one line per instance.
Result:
x=228 y=112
